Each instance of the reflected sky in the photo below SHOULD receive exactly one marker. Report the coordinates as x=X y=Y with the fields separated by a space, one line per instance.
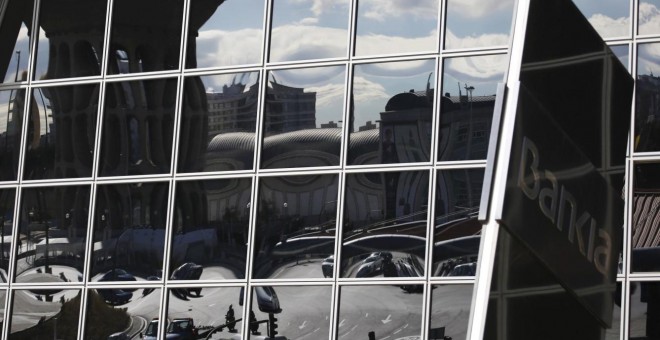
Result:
x=394 y=26
x=20 y=13
x=304 y=29
x=233 y=34
x=478 y=23
x=481 y=72
x=611 y=18
x=622 y=52
x=648 y=59
x=649 y=17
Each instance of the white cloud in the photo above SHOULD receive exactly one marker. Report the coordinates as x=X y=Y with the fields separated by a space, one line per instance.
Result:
x=308 y=21
x=216 y=47
x=292 y=42
x=373 y=44
x=649 y=18
x=321 y=6
x=610 y=27
x=649 y=59
x=328 y=94
x=366 y=91
x=380 y=10
x=478 y=8
x=484 y=40
x=479 y=69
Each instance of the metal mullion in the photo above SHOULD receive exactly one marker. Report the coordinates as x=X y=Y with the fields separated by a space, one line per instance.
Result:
x=461 y=165
x=300 y=170
x=211 y=71
x=211 y=176
x=13 y=86
x=56 y=181
x=475 y=52
x=126 y=77
x=164 y=298
x=442 y=25
x=644 y=157
x=622 y=311
x=347 y=113
x=267 y=27
x=176 y=129
x=352 y=28
x=100 y=113
x=426 y=310
x=41 y=184
x=378 y=282
x=633 y=7
x=290 y=282
x=457 y=281
x=106 y=38
x=334 y=296
x=133 y=179
x=259 y=123
x=184 y=35
x=66 y=81
x=89 y=257
x=34 y=41
x=644 y=276
x=647 y=39
x=48 y=285
x=250 y=252
x=435 y=111
x=304 y=64
x=10 y=270
x=393 y=58
x=8 y=186
x=386 y=168
x=628 y=217
x=430 y=243
x=24 y=128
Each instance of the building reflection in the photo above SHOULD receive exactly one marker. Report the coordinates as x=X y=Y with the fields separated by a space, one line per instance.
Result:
x=647 y=113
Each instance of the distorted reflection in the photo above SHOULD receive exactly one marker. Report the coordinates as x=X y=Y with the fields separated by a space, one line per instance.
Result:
x=466 y=107
x=303 y=117
x=218 y=123
x=12 y=103
x=129 y=232
x=295 y=231
x=393 y=26
x=306 y=30
x=138 y=127
x=52 y=234
x=45 y=314
x=224 y=33
x=290 y=312
x=61 y=132
x=476 y=24
x=16 y=25
x=456 y=230
x=7 y=203
x=385 y=219
x=645 y=227
x=450 y=311
x=622 y=52
x=647 y=98
x=649 y=17
x=210 y=229
x=145 y=43
x=382 y=310
x=70 y=39
x=610 y=18
x=122 y=313
x=644 y=310
x=387 y=125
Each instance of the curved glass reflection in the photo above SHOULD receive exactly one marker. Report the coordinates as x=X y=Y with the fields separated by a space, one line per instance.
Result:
x=52 y=234
x=645 y=244
x=138 y=127
x=70 y=40
x=303 y=30
x=610 y=18
x=129 y=232
x=224 y=33
x=290 y=312
x=481 y=23
x=217 y=313
x=386 y=125
x=647 y=104
x=15 y=26
x=12 y=104
x=384 y=311
x=302 y=120
x=466 y=106
x=385 y=219
x=622 y=52
x=450 y=311
x=218 y=122
x=7 y=204
x=210 y=229
x=122 y=313
x=61 y=132
x=644 y=312
x=45 y=314
x=648 y=17
x=295 y=229
x=393 y=26
x=457 y=232
x=145 y=43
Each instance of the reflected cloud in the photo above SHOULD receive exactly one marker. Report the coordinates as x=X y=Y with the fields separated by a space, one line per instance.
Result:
x=365 y=90
x=380 y=10
x=477 y=69
x=649 y=18
x=492 y=39
x=474 y=9
x=309 y=43
x=212 y=47
x=649 y=59
x=320 y=6
x=610 y=27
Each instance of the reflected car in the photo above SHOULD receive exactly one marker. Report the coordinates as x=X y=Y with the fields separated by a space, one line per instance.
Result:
x=115 y=296
x=368 y=269
x=267 y=299
x=117 y=275
x=181 y=329
x=152 y=330
x=188 y=271
x=465 y=269
x=328 y=265
x=3 y=276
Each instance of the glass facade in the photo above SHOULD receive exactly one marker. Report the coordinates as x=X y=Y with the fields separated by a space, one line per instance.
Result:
x=243 y=168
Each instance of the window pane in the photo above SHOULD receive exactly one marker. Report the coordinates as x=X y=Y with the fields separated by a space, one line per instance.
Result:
x=644 y=312
x=622 y=52
x=611 y=18
x=52 y=234
x=387 y=125
x=383 y=310
x=305 y=30
x=197 y=317
x=145 y=36
x=129 y=232
x=122 y=311
x=295 y=228
x=39 y=311
x=7 y=203
x=299 y=312
x=15 y=40
x=450 y=311
x=394 y=26
x=481 y=23
x=218 y=123
x=302 y=122
x=649 y=17
x=11 y=120
x=210 y=229
x=457 y=231
x=224 y=33
x=466 y=107
x=138 y=127
x=70 y=39
x=385 y=218
x=647 y=104
x=62 y=132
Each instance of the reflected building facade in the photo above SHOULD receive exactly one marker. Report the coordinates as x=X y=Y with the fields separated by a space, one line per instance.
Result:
x=263 y=169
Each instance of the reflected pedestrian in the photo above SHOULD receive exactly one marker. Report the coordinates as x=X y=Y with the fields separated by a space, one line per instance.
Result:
x=230 y=320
